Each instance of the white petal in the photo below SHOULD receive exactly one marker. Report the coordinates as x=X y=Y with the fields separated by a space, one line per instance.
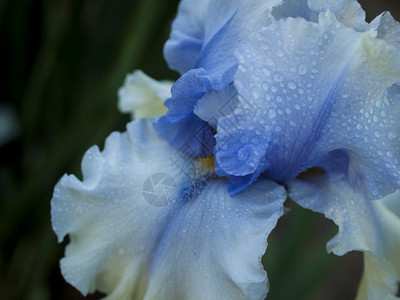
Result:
x=143 y=96
x=364 y=225
x=377 y=280
x=378 y=272
x=196 y=242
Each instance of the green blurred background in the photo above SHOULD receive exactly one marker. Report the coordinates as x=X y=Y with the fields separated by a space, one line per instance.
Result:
x=61 y=63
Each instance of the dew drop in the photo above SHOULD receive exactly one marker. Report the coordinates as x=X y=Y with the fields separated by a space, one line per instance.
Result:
x=392 y=135
x=254 y=141
x=278 y=77
x=266 y=72
x=272 y=113
x=255 y=93
x=242 y=155
x=291 y=85
x=279 y=53
x=302 y=69
x=244 y=139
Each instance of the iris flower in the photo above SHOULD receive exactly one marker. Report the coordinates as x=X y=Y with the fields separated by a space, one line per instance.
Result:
x=180 y=206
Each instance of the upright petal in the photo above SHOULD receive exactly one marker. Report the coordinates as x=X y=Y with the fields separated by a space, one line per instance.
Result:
x=204 y=37
x=348 y=12
x=312 y=88
x=202 y=27
x=142 y=96
x=180 y=126
x=388 y=29
x=364 y=225
x=149 y=223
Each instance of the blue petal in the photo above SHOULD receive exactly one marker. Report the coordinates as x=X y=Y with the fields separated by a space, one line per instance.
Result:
x=196 y=24
x=309 y=108
x=348 y=12
x=295 y=9
x=215 y=103
x=236 y=184
x=180 y=126
x=222 y=26
x=147 y=223
x=388 y=29
x=364 y=225
x=205 y=33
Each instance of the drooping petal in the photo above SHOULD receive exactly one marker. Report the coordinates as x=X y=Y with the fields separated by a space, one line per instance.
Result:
x=377 y=274
x=142 y=96
x=147 y=222
x=364 y=225
x=315 y=88
x=378 y=280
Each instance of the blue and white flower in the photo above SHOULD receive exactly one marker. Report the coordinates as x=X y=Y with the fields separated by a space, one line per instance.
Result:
x=269 y=89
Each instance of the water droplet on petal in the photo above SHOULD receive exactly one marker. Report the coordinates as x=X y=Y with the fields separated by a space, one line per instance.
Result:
x=272 y=113
x=279 y=53
x=392 y=135
x=244 y=139
x=269 y=62
x=278 y=77
x=242 y=155
x=302 y=69
x=291 y=85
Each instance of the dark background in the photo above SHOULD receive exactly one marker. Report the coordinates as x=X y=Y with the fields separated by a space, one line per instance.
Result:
x=61 y=64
